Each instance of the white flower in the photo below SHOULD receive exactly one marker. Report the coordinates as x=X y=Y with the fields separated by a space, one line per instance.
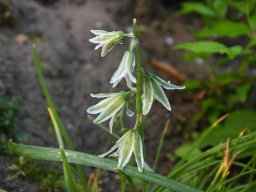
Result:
x=130 y=143
x=110 y=108
x=125 y=70
x=107 y=40
x=153 y=89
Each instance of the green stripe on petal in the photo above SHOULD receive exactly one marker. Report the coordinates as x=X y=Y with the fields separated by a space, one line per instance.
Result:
x=113 y=107
x=106 y=48
x=130 y=65
x=138 y=151
x=160 y=95
x=121 y=70
x=148 y=96
x=126 y=149
x=165 y=84
x=99 y=107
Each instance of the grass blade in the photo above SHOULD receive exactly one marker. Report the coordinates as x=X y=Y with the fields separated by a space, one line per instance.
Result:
x=49 y=99
x=161 y=143
x=68 y=176
x=69 y=180
x=53 y=154
x=128 y=179
x=51 y=105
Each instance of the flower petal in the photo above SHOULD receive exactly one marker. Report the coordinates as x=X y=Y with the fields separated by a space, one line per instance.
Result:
x=113 y=107
x=98 y=32
x=99 y=107
x=126 y=150
x=130 y=63
x=106 y=48
x=112 y=121
x=160 y=95
x=148 y=96
x=102 y=95
x=138 y=151
x=166 y=85
x=121 y=70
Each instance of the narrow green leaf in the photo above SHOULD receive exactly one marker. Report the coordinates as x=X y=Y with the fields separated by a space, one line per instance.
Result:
x=51 y=105
x=128 y=178
x=49 y=99
x=53 y=154
x=69 y=180
x=210 y=47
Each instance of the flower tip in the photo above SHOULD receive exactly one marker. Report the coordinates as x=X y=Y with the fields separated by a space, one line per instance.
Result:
x=134 y=20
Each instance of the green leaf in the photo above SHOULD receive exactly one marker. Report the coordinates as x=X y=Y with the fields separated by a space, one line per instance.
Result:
x=68 y=177
x=243 y=91
x=49 y=99
x=235 y=123
x=240 y=5
x=200 y=8
x=69 y=180
x=51 y=105
x=225 y=28
x=211 y=47
x=52 y=154
x=252 y=20
x=194 y=84
x=187 y=153
x=128 y=179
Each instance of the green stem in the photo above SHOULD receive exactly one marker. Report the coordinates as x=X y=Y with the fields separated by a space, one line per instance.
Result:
x=139 y=120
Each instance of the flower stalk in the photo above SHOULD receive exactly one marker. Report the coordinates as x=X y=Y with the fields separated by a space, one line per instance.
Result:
x=115 y=105
x=139 y=120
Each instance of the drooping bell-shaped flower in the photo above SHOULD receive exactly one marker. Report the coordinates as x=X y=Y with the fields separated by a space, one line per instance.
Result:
x=130 y=143
x=125 y=70
x=153 y=88
x=107 y=40
x=110 y=107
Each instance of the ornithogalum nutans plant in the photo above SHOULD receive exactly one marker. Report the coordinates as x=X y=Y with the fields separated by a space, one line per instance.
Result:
x=144 y=87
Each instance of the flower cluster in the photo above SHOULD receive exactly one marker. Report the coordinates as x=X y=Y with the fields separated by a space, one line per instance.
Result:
x=130 y=143
x=114 y=105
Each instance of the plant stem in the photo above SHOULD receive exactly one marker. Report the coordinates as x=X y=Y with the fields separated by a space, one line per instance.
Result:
x=139 y=120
